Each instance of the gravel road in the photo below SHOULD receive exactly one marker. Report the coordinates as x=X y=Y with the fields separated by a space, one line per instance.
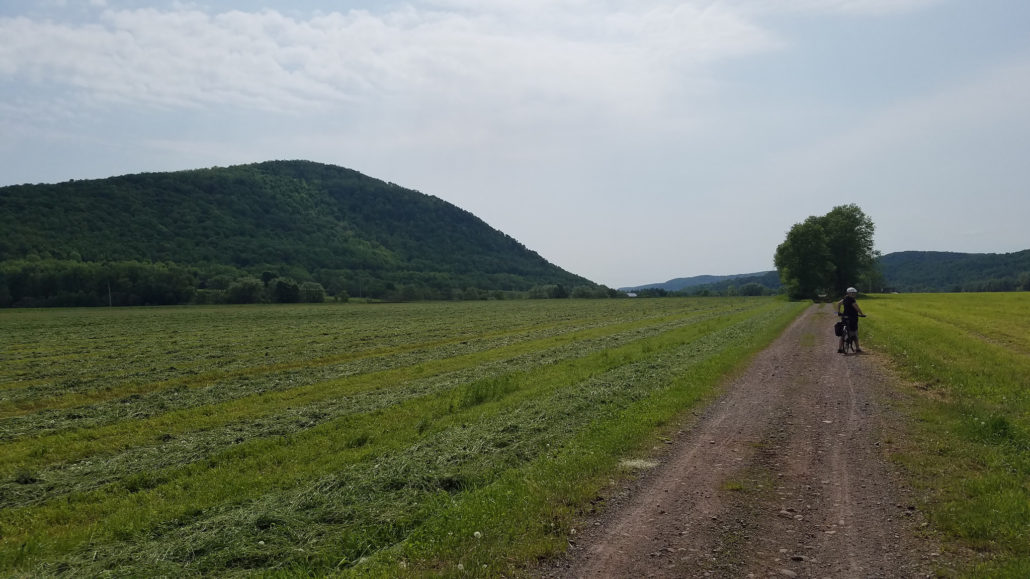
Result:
x=785 y=475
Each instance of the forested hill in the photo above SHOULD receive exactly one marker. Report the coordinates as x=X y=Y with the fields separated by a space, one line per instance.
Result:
x=939 y=271
x=292 y=220
x=904 y=271
x=769 y=279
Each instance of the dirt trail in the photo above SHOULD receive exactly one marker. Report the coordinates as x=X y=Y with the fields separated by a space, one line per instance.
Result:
x=785 y=475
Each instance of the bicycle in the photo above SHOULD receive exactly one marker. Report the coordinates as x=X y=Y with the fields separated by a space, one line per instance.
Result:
x=846 y=335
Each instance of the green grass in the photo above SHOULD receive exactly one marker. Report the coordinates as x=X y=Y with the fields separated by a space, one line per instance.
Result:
x=967 y=357
x=359 y=438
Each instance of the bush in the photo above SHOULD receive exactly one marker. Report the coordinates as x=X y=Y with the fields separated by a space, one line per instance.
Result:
x=247 y=290
x=589 y=292
x=284 y=290
x=312 y=292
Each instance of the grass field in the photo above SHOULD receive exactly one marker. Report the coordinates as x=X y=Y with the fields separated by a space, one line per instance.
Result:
x=967 y=357
x=453 y=438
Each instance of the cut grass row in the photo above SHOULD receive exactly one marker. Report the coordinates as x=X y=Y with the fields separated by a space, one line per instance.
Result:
x=283 y=464
x=178 y=437
x=351 y=480
x=87 y=376
x=967 y=357
x=38 y=451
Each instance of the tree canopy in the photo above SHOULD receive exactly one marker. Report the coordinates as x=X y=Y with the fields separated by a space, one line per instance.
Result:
x=827 y=254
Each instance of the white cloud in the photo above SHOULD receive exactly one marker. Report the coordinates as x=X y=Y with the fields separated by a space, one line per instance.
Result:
x=846 y=7
x=513 y=52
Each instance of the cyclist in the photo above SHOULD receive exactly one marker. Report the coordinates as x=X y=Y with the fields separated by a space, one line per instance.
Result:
x=851 y=314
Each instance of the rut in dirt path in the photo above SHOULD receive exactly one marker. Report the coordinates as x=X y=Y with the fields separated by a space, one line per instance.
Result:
x=784 y=475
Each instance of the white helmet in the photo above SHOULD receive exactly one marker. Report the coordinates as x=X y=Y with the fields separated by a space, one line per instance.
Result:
x=852 y=290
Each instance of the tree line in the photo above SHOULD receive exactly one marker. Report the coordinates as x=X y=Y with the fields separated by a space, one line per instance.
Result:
x=63 y=283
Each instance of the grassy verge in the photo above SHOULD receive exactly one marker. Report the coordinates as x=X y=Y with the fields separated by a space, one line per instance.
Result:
x=967 y=357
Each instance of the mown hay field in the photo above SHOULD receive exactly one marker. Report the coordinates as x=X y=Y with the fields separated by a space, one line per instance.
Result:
x=372 y=439
x=966 y=358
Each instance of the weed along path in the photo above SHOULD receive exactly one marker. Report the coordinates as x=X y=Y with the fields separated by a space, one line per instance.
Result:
x=786 y=474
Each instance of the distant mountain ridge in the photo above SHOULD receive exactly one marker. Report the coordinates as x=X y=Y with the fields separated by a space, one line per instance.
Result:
x=682 y=283
x=904 y=271
x=286 y=219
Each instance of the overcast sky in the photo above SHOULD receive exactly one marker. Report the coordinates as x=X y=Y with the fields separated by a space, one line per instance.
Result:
x=626 y=141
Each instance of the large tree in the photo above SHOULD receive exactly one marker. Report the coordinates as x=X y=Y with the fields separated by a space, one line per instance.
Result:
x=827 y=254
x=803 y=260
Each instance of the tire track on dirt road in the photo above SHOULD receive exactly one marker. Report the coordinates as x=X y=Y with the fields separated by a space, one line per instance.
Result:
x=785 y=474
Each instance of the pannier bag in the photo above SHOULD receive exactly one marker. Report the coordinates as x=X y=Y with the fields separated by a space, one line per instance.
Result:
x=838 y=329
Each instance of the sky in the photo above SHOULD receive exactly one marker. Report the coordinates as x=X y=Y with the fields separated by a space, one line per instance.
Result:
x=627 y=141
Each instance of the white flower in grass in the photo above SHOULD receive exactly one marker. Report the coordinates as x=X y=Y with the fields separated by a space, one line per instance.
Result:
x=477 y=535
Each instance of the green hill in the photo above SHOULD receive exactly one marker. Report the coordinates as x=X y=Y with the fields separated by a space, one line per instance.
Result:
x=904 y=271
x=85 y=242
x=939 y=271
